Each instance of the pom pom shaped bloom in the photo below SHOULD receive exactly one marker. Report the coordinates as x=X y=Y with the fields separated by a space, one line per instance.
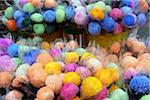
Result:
x=118 y=28
x=115 y=47
x=69 y=12
x=12 y=50
x=17 y=14
x=50 y=3
x=45 y=93
x=54 y=82
x=5 y=79
x=30 y=57
x=140 y=84
x=69 y=91
x=4 y=43
x=90 y=90
x=129 y=20
x=60 y=15
x=108 y=24
x=102 y=94
x=37 y=3
x=107 y=76
x=28 y=7
x=14 y=95
x=129 y=73
x=93 y=64
x=39 y=29
x=80 y=18
x=129 y=61
x=71 y=67
x=72 y=77
x=36 y=17
x=20 y=23
x=83 y=72
x=97 y=13
x=44 y=58
x=143 y=5
x=45 y=45
x=6 y=64
x=20 y=81
x=37 y=75
x=52 y=68
x=11 y=25
x=94 y=28
x=116 y=13
x=22 y=70
x=8 y=13
x=55 y=53
x=22 y=2
x=71 y=57
x=49 y=16
x=119 y=94
x=141 y=19
x=126 y=10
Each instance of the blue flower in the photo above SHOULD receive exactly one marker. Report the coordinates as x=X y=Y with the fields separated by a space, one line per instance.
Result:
x=12 y=50
x=30 y=56
x=17 y=14
x=49 y=16
x=94 y=28
x=108 y=24
x=128 y=21
x=126 y=2
x=140 y=84
x=141 y=19
x=69 y=12
x=20 y=23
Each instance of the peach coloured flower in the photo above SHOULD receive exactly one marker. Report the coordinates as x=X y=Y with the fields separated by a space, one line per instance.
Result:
x=37 y=76
x=14 y=95
x=115 y=47
x=129 y=61
x=19 y=81
x=44 y=58
x=143 y=66
x=54 y=82
x=50 y=3
x=5 y=79
x=45 y=93
x=145 y=56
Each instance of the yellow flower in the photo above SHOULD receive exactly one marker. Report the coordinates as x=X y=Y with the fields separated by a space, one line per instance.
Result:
x=71 y=57
x=53 y=68
x=107 y=76
x=72 y=77
x=90 y=86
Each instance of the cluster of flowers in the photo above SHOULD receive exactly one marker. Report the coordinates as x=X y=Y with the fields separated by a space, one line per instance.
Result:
x=40 y=16
x=35 y=69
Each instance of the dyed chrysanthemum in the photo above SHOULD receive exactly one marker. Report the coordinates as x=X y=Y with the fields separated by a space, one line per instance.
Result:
x=140 y=84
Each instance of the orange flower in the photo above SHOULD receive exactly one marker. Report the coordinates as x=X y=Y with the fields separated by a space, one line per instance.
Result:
x=97 y=13
x=11 y=25
x=115 y=47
